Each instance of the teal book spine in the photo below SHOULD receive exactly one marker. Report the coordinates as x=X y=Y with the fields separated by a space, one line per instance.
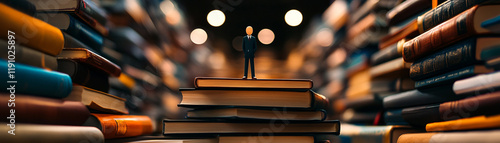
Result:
x=23 y=79
x=457 y=55
x=490 y=53
x=447 y=77
x=84 y=33
x=446 y=11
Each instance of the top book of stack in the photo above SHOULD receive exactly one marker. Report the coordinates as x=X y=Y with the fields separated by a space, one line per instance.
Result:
x=237 y=83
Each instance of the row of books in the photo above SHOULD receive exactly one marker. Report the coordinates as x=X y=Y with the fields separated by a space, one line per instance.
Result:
x=415 y=69
x=80 y=74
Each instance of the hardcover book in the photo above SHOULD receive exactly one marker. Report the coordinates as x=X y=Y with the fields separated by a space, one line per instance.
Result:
x=84 y=75
x=40 y=110
x=212 y=128
x=207 y=82
x=121 y=126
x=88 y=57
x=485 y=136
x=255 y=114
x=29 y=133
x=98 y=100
x=472 y=123
x=34 y=81
x=28 y=56
x=457 y=28
x=452 y=76
x=376 y=134
x=47 y=39
x=477 y=84
x=194 y=98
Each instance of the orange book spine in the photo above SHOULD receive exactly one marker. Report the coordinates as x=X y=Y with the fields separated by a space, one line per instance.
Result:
x=478 y=122
x=455 y=29
x=30 y=31
x=120 y=126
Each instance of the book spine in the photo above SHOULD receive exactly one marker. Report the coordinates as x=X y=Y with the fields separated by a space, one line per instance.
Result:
x=473 y=123
x=385 y=55
x=420 y=97
x=84 y=33
x=394 y=117
x=29 y=133
x=29 y=56
x=43 y=37
x=470 y=107
x=444 y=12
x=447 y=77
x=405 y=9
x=71 y=42
x=84 y=75
x=421 y=115
x=90 y=8
x=36 y=81
x=457 y=28
x=462 y=53
x=484 y=82
x=40 y=110
x=120 y=126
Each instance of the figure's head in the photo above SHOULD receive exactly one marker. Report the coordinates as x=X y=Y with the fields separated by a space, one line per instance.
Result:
x=249 y=30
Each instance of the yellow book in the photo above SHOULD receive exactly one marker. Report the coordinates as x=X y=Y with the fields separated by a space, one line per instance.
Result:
x=478 y=122
x=29 y=31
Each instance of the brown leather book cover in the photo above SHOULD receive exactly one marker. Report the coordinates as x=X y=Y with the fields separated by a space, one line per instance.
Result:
x=42 y=36
x=457 y=28
x=40 y=110
x=86 y=56
x=121 y=126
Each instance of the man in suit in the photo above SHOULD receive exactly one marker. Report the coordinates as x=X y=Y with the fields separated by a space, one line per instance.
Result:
x=249 y=48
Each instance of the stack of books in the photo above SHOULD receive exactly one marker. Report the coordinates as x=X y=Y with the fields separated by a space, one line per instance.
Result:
x=430 y=76
x=60 y=83
x=263 y=110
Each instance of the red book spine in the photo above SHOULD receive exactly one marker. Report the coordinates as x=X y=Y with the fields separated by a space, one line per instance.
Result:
x=457 y=28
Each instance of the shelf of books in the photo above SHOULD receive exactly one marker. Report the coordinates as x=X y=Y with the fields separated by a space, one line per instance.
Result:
x=410 y=71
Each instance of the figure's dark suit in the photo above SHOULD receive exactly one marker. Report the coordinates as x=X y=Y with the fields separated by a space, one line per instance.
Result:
x=249 y=48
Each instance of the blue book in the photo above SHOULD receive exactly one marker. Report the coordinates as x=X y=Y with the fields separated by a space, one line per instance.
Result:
x=394 y=117
x=75 y=28
x=452 y=76
x=34 y=81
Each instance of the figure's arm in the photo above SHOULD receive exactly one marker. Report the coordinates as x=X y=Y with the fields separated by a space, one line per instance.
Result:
x=254 y=45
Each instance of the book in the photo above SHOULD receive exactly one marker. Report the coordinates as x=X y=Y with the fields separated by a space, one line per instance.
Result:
x=443 y=12
x=452 y=76
x=468 y=107
x=486 y=136
x=210 y=128
x=394 y=85
x=238 y=83
x=74 y=27
x=369 y=6
x=121 y=126
x=85 y=75
x=369 y=117
x=28 y=56
x=476 y=84
x=72 y=42
x=376 y=134
x=407 y=8
x=21 y=5
x=44 y=37
x=472 y=123
x=88 y=57
x=391 y=69
x=417 y=97
x=51 y=134
x=255 y=114
x=465 y=52
x=457 y=28
x=193 y=98
x=40 y=110
x=390 y=53
x=86 y=10
x=394 y=117
x=365 y=32
x=408 y=31
x=98 y=100
x=363 y=103
x=30 y=80
x=231 y=139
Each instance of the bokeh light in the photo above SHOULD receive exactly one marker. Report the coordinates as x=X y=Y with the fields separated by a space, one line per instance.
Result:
x=199 y=36
x=293 y=17
x=216 y=18
x=266 y=36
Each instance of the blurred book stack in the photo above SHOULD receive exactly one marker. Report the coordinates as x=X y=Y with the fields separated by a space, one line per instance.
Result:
x=82 y=71
x=424 y=70
x=249 y=110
